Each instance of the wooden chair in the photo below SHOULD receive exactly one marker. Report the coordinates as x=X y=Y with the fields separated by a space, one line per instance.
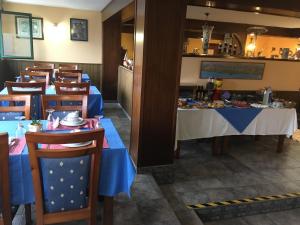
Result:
x=33 y=69
x=68 y=66
x=61 y=103
x=49 y=214
x=15 y=88
x=5 y=208
x=72 y=88
x=13 y=108
x=43 y=65
x=36 y=75
x=68 y=77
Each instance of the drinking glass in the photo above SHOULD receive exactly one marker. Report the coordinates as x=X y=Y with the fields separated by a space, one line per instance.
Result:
x=50 y=118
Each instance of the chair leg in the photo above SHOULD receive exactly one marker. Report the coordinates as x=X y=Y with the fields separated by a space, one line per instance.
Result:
x=28 y=214
x=108 y=210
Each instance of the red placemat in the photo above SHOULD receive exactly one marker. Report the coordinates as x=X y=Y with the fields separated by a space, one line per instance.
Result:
x=17 y=147
x=105 y=145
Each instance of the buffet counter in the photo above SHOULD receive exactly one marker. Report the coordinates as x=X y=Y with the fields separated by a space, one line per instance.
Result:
x=125 y=85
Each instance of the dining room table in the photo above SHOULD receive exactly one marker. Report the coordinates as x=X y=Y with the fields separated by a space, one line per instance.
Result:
x=117 y=170
x=95 y=102
x=221 y=123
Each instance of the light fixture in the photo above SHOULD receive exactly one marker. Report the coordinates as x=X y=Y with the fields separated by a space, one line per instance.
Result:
x=253 y=33
x=257 y=8
x=207 y=31
x=210 y=3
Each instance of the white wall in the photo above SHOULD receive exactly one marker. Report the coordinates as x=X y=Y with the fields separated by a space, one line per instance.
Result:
x=57 y=45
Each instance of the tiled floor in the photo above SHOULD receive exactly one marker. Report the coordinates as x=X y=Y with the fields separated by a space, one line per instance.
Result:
x=250 y=169
x=291 y=217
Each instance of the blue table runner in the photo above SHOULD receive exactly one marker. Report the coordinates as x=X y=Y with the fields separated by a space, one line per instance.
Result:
x=239 y=118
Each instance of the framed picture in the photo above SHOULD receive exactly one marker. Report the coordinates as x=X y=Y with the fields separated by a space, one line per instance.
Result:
x=37 y=28
x=232 y=70
x=79 y=29
x=23 y=29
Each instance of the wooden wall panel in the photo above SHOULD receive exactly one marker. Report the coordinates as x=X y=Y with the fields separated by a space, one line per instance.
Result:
x=111 y=56
x=159 y=38
x=14 y=67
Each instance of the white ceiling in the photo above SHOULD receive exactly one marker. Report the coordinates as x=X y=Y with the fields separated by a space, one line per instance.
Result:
x=95 y=5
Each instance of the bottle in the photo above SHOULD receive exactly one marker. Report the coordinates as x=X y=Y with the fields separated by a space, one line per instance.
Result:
x=199 y=93
x=20 y=131
x=220 y=49
x=267 y=96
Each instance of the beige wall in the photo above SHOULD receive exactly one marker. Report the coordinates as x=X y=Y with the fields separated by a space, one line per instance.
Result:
x=57 y=45
x=127 y=42
x=265 y=44
x=280 y=75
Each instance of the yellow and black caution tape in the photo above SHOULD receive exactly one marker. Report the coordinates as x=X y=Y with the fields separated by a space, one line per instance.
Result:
x=244 y=201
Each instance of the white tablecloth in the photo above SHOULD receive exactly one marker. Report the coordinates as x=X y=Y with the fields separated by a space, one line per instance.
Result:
x=206 y=123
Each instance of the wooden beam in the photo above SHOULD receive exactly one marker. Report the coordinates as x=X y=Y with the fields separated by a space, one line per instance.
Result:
x=158 y=56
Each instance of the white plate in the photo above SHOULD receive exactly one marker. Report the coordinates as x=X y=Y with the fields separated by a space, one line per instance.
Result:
x=73 y=124
x=76 y=145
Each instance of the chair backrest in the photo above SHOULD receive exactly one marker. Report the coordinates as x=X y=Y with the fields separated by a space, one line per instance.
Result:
x=64 y=177
x=63 y=103
x=34 y=69
x=5 y=207
x=35 y=75
x=68 y=66
x=72 y=88
x=68 y=76
x=25 y=108
x=43 y=65
x=25 y=88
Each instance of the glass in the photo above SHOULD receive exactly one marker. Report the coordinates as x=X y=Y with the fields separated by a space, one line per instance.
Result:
x=20 y=131
x=50 y=118
x=98 y=117
x=16 y=35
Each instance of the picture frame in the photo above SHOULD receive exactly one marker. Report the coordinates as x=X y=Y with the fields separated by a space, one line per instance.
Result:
x=232 y=70
x=78 y=29
x=23 y=29
x=38 y=28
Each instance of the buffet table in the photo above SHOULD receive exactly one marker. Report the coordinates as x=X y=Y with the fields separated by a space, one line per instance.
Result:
x=212 y=123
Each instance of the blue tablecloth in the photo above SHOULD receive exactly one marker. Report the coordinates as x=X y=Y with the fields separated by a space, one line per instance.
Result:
x=95 y=102
x=239 y=118
x=117 y=169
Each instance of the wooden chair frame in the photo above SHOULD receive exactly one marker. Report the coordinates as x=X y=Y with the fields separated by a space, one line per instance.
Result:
x=13 y=108
x=93 y=150
x=41 y=86
x=63 y=98
x=68 y=66
x=66 y=88
x=43 y=65
x=33 y=74
x=76 y=76
x=4 y=180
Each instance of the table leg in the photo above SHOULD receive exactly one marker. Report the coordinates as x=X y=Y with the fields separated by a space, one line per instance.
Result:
x=280 y=143
x=28 y=214
x=257 y=137
x=108 y=210
x=177 y=151
x=216 y=148
x=225 y=144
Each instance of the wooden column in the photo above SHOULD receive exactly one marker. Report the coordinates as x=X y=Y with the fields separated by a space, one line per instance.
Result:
x=159 y=31
x=111 y=56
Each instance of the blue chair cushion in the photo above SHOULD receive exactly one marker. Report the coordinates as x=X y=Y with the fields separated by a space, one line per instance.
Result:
x=4 y=116
x=65 y=183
